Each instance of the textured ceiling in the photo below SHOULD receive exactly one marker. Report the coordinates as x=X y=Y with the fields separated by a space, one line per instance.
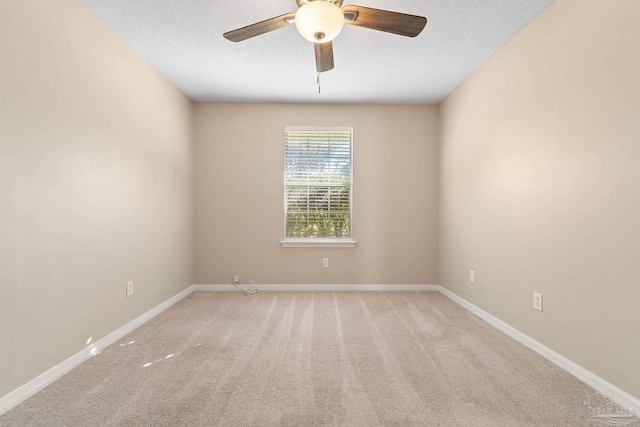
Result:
x=183 y=40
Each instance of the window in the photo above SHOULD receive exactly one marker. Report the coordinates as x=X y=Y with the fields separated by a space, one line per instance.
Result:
x=317 y=187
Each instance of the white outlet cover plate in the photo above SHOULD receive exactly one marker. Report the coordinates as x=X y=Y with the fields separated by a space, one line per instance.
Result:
x=472 y=276
x=537 y=301
x=129 y=289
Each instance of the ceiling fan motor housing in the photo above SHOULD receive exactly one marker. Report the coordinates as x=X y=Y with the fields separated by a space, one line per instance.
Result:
x=336 y=2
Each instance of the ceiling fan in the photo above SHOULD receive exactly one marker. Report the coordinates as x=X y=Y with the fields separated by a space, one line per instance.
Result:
x=320 y=21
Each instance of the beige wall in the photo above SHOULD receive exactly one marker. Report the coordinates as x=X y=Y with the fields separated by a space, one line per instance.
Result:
x=239 y=195
x=96 y=185
x=540 y=185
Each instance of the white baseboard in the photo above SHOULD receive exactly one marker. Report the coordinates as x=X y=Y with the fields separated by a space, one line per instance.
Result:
x=315 y=288
x=19 y=395
x=603 y=387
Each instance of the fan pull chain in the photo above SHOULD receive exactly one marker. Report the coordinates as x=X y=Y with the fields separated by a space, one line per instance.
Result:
x=318 y=82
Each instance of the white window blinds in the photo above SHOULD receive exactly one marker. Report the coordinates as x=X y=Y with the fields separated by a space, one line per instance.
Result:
x=317 y=180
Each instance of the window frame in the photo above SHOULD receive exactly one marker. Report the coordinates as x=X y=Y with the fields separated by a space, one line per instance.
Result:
x=325 y=242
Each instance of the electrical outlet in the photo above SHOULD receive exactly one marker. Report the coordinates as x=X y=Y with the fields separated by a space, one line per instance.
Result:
x=325 y=262
x=129 y=289
x=236 y=279
x=472 y=276
x=537 y=301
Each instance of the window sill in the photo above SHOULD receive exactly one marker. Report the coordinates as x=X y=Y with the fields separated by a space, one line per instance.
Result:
x=318 y=243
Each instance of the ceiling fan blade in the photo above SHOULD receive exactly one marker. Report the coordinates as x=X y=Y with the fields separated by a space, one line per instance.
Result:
x=324 y=56
x=260 y=28
x=385 y=20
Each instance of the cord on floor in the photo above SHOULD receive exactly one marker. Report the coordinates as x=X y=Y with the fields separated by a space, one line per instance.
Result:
x=249 y=289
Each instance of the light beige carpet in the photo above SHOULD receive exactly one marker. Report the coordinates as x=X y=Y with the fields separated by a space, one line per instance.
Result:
x=312 y=359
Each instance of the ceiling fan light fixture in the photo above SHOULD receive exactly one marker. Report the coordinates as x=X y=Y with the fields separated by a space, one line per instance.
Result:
x=319 y=21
